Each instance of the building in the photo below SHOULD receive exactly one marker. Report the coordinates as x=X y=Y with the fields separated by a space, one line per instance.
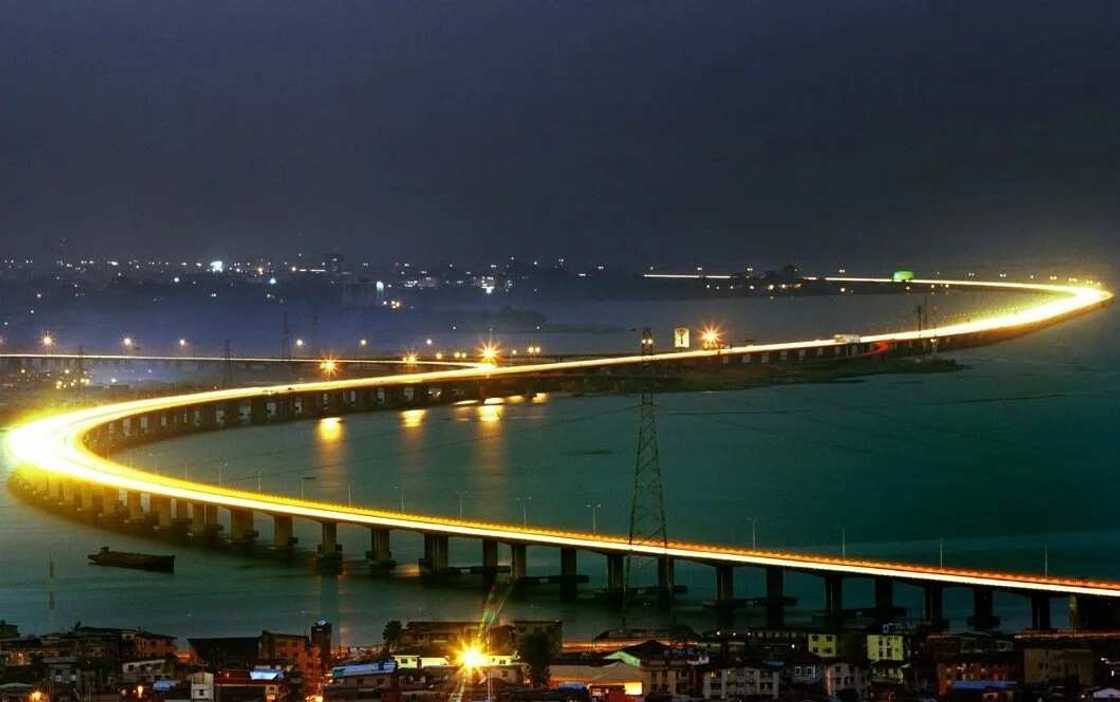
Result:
x=147 y=670
x=736 y=681
x=839 y=676
x=887 y=647
x=823 y=645
x=671 y=670
x=605 y=679
x=1046 y=665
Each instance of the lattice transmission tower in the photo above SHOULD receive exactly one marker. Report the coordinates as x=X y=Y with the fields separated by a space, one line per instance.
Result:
x=647 y=505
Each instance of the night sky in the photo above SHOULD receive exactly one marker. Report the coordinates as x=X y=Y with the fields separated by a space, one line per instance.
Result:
x=833 y=131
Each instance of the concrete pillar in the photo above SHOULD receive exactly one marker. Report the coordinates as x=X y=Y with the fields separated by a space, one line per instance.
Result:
x=983 y=610
x=182 y=510
x=110 y=501
x=1040 y=611
x=725 y=584
x=666 y=577
x=208 y=416
x=198 y=518
x=282 y=539
x=161 y=507
x=241 y=526
x=435 y=554
x=329 y=544
x=231 y=413
x=834 y=597
x=380 y=553
x=884 y=599
x=934 y=610
x=258 y=410
x=489 y=562
x=616 y=573
x=88 y=497
x=569 y=572
x=285 y=408
x=518 y=561
x=135 y=510
x=775 y=597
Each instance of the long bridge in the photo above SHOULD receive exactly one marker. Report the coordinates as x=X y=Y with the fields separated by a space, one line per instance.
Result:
x=65 y=461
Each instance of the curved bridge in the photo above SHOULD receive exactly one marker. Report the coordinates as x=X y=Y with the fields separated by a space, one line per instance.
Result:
x=64 y=459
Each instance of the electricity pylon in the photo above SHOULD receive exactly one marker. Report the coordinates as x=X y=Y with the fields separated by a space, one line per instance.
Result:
x=647 y=506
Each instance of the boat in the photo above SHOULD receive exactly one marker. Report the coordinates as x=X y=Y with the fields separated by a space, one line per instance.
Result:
x=139 y=561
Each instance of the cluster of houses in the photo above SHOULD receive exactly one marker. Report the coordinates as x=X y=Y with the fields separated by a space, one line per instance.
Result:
x=425 y=662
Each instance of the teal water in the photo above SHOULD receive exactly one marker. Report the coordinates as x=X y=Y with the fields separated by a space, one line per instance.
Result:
x=1010 y=457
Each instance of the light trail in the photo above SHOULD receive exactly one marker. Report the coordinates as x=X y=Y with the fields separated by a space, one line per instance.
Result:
x=55 y=445
x=233 y=359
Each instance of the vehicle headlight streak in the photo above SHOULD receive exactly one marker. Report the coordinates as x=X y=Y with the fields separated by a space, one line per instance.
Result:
x=55 y=445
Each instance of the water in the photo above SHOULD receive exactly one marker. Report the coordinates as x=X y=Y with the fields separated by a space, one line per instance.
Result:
x=1011 y=456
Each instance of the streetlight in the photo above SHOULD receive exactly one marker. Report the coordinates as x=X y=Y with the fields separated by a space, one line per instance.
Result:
x=47 y=340
x=754 y=533
x=461 y=494
x=362 y=343
x=182 y=343
x=710 y=336
x=303 y=481
x=524 y=502
x=594 y=515
x=127 y=342
x=489 y=353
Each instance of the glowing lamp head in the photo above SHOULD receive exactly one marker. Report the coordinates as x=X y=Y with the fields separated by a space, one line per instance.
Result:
x=489 y=353
x=471 y=657
x=47 y=340
x=299 y=342
x=711 y=337
x=328 y=367
x=127 y=341
x=182 y=343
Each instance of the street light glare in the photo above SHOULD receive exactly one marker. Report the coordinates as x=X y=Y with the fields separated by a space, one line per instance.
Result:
x=48 y=340
x=489 y=353
x=471 y=657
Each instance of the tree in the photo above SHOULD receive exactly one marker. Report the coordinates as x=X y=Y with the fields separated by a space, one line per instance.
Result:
x=535 y=650
x=391 y=634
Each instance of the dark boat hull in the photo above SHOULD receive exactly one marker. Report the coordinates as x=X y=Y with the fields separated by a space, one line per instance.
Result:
x=136 y=561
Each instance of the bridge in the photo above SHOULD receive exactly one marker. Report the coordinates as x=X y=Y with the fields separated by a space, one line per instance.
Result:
x=64 y=460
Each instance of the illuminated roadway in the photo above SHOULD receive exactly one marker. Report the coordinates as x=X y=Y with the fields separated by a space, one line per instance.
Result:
x=55 y=445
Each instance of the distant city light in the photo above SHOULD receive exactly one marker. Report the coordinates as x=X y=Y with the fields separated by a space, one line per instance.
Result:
x=299 y=342
x=182 y=343
x=47 y=340
x=217 y=266
x=127 y=341
x=362 y=342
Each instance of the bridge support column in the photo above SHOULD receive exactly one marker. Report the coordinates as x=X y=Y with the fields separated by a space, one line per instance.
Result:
x=282 y=539
x=666 y=578
x=161 y=507
x=1040 y=612
x=884 y=599
x=569 y=573
x=489 y=563
x=90 y=500
x=329 y=556
x=934 y=610
x=258 y=410
x=241 y=530
x=434 y=562
x=208 y=416
x=182 y=511
x=135 y=510
x=775 y=597
x=231 y=414
x=983 y=610
x=725 y=585
x=110 y=503
x=380 y=554
x=834 y=598
x=518 y=562
x=616 y=574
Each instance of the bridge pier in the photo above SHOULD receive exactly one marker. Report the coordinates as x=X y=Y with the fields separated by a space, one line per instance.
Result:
x=134 y=507
x=258 y=410
x=231 y=414
x=282 y=539
x=241 y=532
x=518 y=562
x=489 y=563
x=834 y=598
x=110 y=503
x=616 y=575
x=884 y=600
x=934 y=605
x=569 y=573
x=380 y=555
x=775 y=597
x=983 y=610
x=329 y=555
x=208 y=416
x=161 y=507
x=725 y=586
x=1040 y=612
x=434 y=562
x=89 y=500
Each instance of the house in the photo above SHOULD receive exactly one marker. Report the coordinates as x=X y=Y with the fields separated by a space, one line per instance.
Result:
x=604 y=679
x=1047 y=665
x=147 y=670
x=671 y=670
x=887 y=647
x=840 y=675
x=734 y=681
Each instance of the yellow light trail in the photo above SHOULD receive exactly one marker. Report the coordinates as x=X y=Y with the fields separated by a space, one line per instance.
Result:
x=55 y=445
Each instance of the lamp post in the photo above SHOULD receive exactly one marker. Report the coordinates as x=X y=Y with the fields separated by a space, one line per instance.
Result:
x=524 y=502
x=594 y=507
x=302 y=482
x=461 y=494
